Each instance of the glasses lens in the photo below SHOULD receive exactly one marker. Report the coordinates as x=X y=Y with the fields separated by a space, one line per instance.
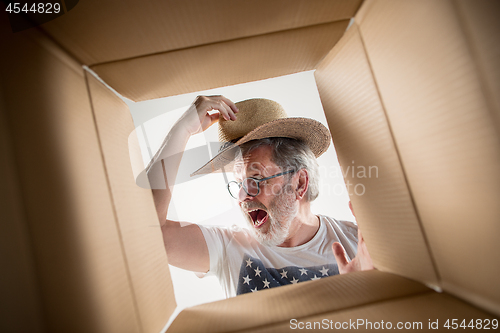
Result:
x=251 y=186
x=234 y=189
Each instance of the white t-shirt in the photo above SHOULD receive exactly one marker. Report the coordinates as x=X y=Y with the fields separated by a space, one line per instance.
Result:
x=244 y=265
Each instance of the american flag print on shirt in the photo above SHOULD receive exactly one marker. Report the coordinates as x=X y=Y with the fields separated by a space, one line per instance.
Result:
x=254 y=276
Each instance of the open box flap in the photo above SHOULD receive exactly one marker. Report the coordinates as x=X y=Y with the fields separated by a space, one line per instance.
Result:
x=222 y=64
x=374 y=175
x=446 y=131
x=97 y=32
x=370 y=296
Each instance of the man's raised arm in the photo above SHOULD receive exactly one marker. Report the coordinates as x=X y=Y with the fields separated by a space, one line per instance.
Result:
x=185 y=245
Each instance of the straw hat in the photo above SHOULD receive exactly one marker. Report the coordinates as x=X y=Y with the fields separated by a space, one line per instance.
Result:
x=260 y=118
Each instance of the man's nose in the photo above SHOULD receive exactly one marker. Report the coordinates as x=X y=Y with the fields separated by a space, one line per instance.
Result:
x=243 y=196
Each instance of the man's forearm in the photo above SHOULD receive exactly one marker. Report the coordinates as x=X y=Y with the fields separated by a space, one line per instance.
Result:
x=163 y=168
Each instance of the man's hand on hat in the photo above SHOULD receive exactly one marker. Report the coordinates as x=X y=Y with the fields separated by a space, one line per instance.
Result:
x=197 y=118
x=362 y=261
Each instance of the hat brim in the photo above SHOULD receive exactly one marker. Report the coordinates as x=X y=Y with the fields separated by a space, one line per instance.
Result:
x=310 y=131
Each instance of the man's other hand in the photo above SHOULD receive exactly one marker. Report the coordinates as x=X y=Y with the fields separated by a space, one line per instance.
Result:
x=362 y=261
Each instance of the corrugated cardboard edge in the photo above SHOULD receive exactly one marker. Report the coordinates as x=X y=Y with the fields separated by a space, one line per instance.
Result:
x=363 y=140
x=222 y=64
x=79 y=272
x=136 y=220
x=447 y=135
x=279 y=305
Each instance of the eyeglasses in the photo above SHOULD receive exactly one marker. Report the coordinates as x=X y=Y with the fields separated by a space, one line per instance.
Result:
x=250 y=185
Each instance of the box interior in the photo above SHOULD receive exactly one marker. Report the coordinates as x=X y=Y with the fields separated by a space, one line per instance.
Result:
x=411 y=87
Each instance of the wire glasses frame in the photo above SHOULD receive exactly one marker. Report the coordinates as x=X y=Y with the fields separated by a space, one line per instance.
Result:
x=250 y=185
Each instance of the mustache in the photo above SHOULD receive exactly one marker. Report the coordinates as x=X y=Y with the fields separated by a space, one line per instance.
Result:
x=252 y=205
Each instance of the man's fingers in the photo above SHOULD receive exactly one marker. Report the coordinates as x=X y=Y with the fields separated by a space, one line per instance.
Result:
x=340 y=255
x=230 y=104
x=199 y=116
x=224 y=105
x=360 y=236
x=227 y=111
x=223 y=109
x=352 y=210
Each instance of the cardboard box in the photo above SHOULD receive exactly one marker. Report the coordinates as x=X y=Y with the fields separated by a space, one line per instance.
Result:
x=412 y=87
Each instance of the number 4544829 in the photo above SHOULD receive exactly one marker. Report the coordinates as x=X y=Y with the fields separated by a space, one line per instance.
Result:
x=40 y=8
x=478 y=324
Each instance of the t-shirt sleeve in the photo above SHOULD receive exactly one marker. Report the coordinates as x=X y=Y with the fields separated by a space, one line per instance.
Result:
x=350 y=230
x=216 y=239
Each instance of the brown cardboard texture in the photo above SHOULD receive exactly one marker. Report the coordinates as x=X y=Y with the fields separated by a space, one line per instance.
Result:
x=411 y=87
x=194 y=69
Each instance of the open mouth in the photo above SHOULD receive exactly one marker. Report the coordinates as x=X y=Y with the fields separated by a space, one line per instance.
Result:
x=258 y=216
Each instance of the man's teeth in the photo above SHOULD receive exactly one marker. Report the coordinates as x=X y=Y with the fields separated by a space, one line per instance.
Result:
x=257 y=215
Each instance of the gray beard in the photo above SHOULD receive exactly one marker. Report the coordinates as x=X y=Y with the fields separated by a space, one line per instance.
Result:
x=282 y=210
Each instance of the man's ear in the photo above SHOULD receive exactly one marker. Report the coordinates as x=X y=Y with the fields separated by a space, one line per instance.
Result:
x=302 y=183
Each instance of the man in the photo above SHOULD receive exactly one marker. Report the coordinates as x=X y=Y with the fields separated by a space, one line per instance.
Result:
x=274 y=161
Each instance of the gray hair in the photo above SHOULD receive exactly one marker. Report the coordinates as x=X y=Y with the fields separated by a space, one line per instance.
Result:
x=290 y=154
